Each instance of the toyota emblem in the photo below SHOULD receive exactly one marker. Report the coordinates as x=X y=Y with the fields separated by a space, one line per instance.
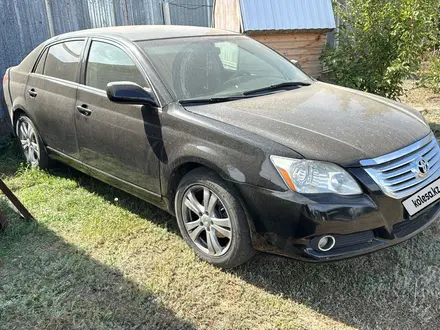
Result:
x=422 y=167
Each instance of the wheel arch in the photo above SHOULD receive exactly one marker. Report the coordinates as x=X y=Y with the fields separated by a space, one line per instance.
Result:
x=184 y=167
x=17 y=113
x=19 y=110
x=180 y=169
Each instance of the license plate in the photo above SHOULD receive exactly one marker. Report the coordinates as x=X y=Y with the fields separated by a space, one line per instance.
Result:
x=423 y=198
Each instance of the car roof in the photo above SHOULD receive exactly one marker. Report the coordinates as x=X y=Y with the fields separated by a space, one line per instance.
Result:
x=146 y=32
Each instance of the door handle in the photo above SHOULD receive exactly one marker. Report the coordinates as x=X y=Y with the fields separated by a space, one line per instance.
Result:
x=84 y=110
x=32 y=92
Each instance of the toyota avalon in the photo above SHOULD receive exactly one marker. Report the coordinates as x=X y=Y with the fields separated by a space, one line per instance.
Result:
x=247 y=151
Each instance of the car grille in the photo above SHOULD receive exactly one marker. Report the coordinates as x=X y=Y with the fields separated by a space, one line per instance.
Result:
x=397 y=173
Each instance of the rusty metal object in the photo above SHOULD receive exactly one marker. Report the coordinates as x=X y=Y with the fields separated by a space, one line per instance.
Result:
x=14 y=200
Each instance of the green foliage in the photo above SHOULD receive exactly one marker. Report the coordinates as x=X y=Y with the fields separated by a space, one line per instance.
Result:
x=380 y=43
x=431 y=76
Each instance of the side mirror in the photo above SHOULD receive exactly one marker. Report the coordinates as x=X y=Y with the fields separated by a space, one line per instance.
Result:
x=296 y=63
x=130 y=93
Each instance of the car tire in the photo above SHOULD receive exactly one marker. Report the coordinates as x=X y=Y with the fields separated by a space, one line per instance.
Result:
x=31 y=144
x=229 y=244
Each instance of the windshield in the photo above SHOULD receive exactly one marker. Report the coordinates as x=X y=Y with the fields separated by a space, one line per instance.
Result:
x=221 y=66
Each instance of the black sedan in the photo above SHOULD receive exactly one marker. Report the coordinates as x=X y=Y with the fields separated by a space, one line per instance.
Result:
x=246 y=150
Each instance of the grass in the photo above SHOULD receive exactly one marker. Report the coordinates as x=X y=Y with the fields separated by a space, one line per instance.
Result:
x=97 y=258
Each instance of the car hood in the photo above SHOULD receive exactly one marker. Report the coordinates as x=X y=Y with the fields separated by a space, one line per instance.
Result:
x=324 y=122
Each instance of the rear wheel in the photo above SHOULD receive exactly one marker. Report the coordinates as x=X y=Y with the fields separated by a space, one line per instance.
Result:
x=212 y=220
x=31 y=144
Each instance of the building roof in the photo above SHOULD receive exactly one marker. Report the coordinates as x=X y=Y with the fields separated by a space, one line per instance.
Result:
x=146 y=32
x=267 y=15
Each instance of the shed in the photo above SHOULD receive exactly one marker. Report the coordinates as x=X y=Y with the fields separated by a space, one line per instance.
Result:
x=296 y=29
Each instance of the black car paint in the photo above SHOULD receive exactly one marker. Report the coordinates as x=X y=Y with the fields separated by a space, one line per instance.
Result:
x=324 y=122
x=235 y=139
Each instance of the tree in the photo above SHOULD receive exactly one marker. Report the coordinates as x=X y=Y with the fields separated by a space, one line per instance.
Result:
x=380 y=43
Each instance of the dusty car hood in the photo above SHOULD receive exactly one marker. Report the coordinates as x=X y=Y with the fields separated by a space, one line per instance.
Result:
x=324 y=122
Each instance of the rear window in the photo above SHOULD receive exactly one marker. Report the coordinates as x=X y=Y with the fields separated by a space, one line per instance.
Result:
x=62 y=60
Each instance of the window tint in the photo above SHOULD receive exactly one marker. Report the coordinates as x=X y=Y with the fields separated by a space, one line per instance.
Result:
x=40 y=66
x=62 y=60
x=108 y=63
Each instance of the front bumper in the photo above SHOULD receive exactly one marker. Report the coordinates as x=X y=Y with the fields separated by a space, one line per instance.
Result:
x=288 y=223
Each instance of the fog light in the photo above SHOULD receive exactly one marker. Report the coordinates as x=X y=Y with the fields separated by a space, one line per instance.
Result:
x=326 y=243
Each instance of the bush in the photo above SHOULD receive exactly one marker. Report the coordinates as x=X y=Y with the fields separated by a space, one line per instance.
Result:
x=430 y=77
x=380 y=43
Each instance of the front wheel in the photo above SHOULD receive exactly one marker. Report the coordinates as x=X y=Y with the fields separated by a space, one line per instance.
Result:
x=31 y=144
x=212 y=220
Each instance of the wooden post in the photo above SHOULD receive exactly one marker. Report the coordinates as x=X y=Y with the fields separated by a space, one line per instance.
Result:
x=14 y=200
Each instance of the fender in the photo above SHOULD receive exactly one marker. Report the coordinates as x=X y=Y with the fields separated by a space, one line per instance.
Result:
x=227 y=150
x=18 y=106
x=230 y=164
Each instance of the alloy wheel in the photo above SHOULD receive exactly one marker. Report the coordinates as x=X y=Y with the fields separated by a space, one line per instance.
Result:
x=206 y=220
x=29 y=142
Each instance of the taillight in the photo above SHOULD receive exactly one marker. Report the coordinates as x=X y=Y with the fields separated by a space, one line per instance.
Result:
x=5 y=78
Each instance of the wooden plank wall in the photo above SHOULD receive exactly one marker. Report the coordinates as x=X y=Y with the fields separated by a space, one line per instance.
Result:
x=305 y=47
x=227 y=15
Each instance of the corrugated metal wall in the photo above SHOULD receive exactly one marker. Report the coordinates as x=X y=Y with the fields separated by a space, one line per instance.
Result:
x=273 y=15
x=197 y=12
x=25 y=23
x=69 y=15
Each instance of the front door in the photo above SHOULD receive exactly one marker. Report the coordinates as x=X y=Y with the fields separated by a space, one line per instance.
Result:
x=115 y=138
x=51 y=95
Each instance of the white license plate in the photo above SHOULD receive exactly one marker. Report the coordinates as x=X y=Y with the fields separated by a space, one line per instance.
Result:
x=423 y=198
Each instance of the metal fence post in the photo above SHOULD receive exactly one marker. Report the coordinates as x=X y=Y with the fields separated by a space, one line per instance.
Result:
x=49 y=17
x=209 y=13
x=166 y=13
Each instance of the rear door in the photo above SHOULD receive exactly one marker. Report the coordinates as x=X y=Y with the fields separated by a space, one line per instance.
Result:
x=51 y=94
x=121 y=140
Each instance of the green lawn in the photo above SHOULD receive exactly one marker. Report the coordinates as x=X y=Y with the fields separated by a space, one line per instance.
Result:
x=97 y=258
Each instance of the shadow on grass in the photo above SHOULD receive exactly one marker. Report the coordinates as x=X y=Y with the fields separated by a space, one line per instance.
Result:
x=368 y=292
x=435 y=128
x=10 y=156
x=372 y=292
x=48 y=283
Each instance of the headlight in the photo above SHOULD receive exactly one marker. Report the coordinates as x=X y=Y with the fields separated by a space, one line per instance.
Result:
x=315 y=177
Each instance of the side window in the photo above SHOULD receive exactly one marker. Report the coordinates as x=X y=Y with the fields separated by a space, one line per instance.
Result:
x=62 y=60
x=40 y=66
x=108 y=63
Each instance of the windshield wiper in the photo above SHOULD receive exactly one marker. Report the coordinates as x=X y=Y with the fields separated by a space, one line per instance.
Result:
x=211 y=100
x=243 y=95
x=277 y=86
